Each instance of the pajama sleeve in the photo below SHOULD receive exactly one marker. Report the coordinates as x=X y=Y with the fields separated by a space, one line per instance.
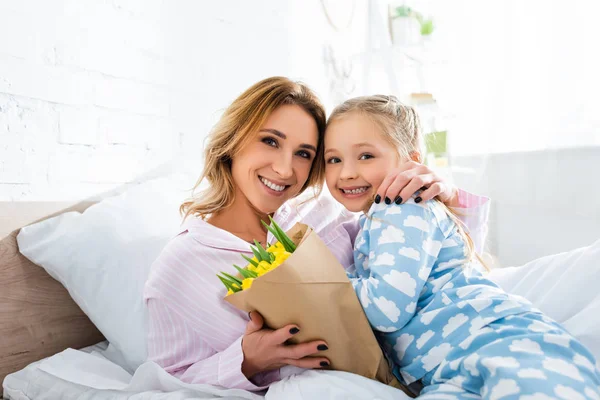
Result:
x=403 y=244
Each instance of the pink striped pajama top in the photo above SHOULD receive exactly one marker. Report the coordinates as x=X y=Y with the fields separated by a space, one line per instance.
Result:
x=193 y=333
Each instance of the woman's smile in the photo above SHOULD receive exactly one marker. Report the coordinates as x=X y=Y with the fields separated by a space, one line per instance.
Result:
x=273 y=188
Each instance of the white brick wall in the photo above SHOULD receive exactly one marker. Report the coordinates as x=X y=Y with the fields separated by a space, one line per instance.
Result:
x=94 y=93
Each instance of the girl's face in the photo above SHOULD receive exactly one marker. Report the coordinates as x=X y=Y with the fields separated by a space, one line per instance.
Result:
x=357 y=159
x=275 y=166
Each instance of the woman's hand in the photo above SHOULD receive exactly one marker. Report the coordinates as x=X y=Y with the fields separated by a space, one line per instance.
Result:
x=265 y=349
x=401 y=183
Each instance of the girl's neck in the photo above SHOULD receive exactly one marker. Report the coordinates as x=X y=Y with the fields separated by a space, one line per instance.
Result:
x=241 y=220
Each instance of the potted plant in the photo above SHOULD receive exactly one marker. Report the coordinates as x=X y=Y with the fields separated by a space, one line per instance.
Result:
x=409 y=26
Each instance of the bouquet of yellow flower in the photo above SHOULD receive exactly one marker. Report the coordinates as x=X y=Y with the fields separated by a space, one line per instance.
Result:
x=264 y=260
x=298 y=280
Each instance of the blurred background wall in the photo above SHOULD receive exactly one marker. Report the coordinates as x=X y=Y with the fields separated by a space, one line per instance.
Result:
x=96 y=93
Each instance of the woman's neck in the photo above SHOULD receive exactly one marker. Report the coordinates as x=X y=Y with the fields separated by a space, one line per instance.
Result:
x=241 y=220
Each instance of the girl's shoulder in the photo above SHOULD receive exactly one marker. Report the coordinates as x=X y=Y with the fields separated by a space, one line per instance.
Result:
x=426 y=213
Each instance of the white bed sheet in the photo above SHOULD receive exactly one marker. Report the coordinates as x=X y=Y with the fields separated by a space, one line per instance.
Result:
x=88 y=374
x=564 y=286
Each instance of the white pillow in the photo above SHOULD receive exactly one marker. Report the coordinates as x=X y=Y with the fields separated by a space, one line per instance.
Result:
x=103 y=257
x=565 y=287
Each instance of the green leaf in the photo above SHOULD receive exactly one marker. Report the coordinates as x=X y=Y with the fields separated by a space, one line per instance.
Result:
x=426 y=27
x=272 y=230
x=245 y=272
x=256 y=254
x=232 y=278
x=251 y=261
x=283 y=238
x=403 y=11
x=228 y=284
x=263 y=253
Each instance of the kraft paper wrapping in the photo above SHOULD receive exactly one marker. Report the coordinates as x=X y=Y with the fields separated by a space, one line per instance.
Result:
x=311 y=289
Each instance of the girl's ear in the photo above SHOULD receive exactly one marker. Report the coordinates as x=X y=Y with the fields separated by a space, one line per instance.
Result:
x=416 y=156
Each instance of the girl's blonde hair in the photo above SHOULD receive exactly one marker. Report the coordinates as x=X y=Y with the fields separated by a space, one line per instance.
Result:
x=401 y=127
x=237 y=127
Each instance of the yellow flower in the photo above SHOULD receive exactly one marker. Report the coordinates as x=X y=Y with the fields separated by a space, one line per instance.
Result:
x=264 y=266
x=246 y=283
x=229 y=291
x=282 y=256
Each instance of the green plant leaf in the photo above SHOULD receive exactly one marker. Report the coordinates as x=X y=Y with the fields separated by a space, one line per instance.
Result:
x=232 y=278
x=256 y=254
x=251 y=261
x=263 y=253
x=228 y=284
x=283 y=238
x=245 y=272
x=426 y=27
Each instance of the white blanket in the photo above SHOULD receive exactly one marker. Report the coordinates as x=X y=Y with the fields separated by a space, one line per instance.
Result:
x=565 y=286
x=87 y=374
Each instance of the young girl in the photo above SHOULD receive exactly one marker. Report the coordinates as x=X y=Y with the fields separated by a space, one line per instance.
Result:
x=443 y=325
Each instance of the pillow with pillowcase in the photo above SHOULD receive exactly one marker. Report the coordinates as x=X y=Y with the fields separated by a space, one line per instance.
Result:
x=565 y=287
x=103 y=256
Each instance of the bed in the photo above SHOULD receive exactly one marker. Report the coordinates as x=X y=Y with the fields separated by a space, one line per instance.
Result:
x=38 y=318
x=50 y=348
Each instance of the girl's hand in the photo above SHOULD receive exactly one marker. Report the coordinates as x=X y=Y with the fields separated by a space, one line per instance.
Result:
x=266 y=349
x=401 y=183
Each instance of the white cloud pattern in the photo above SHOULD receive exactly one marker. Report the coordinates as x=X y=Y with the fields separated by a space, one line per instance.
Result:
x=402 y=343
x=493 y=363
x=525 y=346
x=391 y=234
x=454 y=323
x=435 y=356
x=504 y=387
x=385 y=259
x=531 y=373
x=401 y=281
x=414 y=221
x=424 y=338
x=410 y=253
x=393 y=210
x=432 y=247
x=387 y=329
x=388 y=308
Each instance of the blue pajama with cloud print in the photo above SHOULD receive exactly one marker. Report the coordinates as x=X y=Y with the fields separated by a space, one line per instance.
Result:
x=443 y=324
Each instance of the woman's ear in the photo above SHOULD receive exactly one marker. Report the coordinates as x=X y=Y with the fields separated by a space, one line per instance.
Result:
x=416 y=156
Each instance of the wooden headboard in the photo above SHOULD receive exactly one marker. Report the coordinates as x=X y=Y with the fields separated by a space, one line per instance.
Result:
x=38 y=318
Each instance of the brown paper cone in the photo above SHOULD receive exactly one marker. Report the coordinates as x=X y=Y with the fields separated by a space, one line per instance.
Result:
x=311 y=289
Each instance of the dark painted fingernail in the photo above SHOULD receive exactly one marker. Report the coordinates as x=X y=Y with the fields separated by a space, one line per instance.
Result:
x=418 y=199
x=294 y=330
x=322 y=347
x=324 y=364
x=398 y=200
x=388 y=200
x=377 y=199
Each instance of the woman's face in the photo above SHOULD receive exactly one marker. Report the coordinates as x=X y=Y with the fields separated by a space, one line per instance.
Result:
x=274 y=167
x=357 y=159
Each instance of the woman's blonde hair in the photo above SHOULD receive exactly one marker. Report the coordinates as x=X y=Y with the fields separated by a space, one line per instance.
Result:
x=401 y=127
x=237 y=127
